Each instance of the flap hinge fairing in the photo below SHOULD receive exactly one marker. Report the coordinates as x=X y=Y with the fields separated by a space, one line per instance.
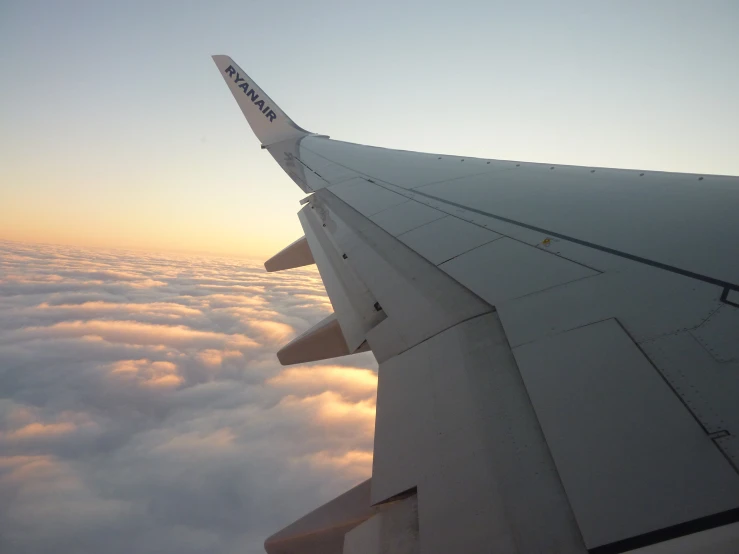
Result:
x=322 y=341
x=296 y=254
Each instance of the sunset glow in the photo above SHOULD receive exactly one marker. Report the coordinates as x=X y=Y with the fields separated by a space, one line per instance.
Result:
x=153 y=154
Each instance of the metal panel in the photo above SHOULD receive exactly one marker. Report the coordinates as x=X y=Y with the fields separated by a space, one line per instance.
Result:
x=454 y=419
x=720 y=334
x=669 y=218
x=335 y=174
x=648 y=302
x=366 y=198
x=509 y=230
x=404 y=217
x=505 y=269
x=330 y=171
x=631 y=457
x=708 y=387
x=446 y=238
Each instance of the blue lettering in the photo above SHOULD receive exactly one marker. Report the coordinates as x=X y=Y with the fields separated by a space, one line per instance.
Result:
x=252 y=94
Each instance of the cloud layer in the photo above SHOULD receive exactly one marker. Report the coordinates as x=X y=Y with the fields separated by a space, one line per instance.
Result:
x=142 y=408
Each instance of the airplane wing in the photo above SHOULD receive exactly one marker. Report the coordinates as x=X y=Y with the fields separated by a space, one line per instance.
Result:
x=558 y=346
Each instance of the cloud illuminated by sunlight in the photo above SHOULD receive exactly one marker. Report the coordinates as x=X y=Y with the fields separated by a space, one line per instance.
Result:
x=331 y=411
x=148 y=373
x=141 y=388
x=42 y=430
x=350 y=382
x=353 y=462
x=133 y=332
x=214 y=358
x=272 y=331
x=103 y=308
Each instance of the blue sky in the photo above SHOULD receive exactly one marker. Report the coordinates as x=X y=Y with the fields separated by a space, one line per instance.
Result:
x=118 y=131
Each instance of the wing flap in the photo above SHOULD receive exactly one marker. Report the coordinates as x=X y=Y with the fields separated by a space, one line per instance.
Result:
x=355 y=306
x=614 y=415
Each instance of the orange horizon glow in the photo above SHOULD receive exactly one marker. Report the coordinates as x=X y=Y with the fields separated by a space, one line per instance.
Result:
x=133 y=248
x=207 y=246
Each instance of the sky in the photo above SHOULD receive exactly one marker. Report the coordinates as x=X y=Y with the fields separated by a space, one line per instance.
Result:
x=142 y=408
x=116 y=129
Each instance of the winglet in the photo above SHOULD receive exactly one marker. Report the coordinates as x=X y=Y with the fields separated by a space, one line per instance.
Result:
x=267 y=120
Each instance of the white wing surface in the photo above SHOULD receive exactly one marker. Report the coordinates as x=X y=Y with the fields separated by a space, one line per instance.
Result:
x=558 y=345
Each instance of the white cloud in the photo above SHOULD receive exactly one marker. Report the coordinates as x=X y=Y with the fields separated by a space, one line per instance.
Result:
x=143 y=408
